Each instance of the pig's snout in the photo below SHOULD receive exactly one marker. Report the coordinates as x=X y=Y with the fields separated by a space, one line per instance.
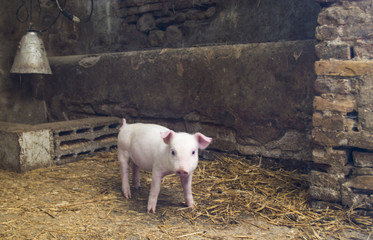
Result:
x=182 y=173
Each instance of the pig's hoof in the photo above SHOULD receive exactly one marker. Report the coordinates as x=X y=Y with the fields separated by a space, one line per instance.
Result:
x=127 y=193
x=190 y=204
x=151 y=209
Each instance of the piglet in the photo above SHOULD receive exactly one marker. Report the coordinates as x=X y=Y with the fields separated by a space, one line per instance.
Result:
x=161 y=151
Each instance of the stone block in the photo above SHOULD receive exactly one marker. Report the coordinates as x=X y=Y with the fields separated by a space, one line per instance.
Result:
x=24 y=148
x=327 y=1
x=362 y=171
x=355 y=199
x=363 y=139
x=363 y=182
x=150 y=7
x=324 y=180
x=328 y=84
x=173 y=34
x=363 y=49
x=156 y=38
x=343 y=68
x=341 y=15
x=338 y=51
x=334 y=102
x=146 y=23
x=324 y=186
x=330 y=138
x=330 y=121
x=324 y=33
x=355 y=32
x=332 y=161
x=365 y=103
x=324 y=205
x=363 y=159
x=325 y=194
x=131 y=19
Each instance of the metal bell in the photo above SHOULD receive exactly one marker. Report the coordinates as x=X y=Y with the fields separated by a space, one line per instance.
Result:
x=31 y=56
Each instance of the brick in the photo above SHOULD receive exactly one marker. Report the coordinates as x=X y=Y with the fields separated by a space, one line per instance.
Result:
x=363 y=159
x=334 y=102
x=343 y=68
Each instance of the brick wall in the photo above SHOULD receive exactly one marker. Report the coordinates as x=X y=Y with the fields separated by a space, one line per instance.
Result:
x=343 y=116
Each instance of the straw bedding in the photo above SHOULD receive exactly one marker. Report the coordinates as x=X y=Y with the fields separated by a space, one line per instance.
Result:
x=82 y=200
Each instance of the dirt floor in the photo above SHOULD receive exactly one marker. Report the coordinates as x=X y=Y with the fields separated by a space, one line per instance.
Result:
x=83 y=200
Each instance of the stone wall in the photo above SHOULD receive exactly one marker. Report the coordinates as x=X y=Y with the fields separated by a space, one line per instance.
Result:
x=175 y=23
x=131 y=25
x=343 y=117
x=163 y=22
x=252 y=101
x=123 y=25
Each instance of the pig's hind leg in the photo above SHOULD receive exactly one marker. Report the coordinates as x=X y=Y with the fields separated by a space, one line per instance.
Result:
x=124 y=160
x=135 y=175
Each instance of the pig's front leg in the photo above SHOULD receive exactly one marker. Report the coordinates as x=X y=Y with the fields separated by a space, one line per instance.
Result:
x=154 y=191
x=186 y=182
x=124 y=160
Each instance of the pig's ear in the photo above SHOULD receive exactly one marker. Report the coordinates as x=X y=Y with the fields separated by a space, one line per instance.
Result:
x=202 y=140
x=167 y=136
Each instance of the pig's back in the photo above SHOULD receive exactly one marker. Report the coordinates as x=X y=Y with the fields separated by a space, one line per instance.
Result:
x=143 y=142
x=142 y=130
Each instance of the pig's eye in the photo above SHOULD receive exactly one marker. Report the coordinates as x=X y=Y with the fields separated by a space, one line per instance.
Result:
x=173 y=153
x=194 y=152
